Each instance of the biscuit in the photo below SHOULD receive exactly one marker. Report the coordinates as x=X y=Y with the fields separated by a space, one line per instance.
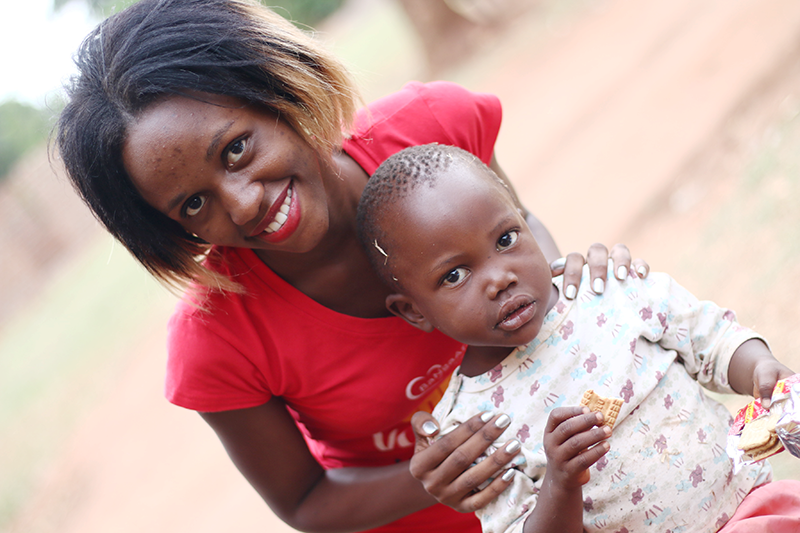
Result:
x=758 y=439
x=608 y=406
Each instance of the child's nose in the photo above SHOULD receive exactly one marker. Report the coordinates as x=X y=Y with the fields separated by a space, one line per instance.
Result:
x=500 y=280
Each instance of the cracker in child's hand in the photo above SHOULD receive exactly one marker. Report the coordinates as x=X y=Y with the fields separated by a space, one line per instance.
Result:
x=608 y=406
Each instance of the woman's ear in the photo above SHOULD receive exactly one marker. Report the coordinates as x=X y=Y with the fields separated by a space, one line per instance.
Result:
x=404 y=307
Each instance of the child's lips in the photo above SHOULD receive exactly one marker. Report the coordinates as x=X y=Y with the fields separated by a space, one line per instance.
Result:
x=515 y=313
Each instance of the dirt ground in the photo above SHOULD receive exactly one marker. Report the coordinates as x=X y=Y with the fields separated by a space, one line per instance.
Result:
x=669 y=125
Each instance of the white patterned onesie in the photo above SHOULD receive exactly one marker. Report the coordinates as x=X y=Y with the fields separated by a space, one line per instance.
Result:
x=651 y=343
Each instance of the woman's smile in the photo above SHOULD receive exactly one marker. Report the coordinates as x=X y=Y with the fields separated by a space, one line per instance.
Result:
x=282 y=219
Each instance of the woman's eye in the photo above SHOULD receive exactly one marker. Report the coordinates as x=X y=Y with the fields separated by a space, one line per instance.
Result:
x=507 y=240
x=235 y=151
x=455 y=276
x=194 y=205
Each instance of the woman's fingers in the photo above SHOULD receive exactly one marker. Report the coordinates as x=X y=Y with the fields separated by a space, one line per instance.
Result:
x=447 y=466
x=623 y=265
x=572 y=270
x=597 y=259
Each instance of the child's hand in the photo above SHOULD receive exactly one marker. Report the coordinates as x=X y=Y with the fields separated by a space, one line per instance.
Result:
x=766 y=374
x=574 y=440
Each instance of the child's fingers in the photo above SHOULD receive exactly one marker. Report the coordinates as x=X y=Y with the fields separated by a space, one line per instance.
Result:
x=559 y=415
x=565 y=422
x=584 y=460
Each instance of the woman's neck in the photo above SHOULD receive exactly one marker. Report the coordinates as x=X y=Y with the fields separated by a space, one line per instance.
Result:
x=336 y=273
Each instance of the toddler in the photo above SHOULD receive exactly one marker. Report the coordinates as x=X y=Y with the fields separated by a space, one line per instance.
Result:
x=445 y=234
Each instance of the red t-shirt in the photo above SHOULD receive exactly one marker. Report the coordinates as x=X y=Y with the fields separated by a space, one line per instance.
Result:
x=351 y=383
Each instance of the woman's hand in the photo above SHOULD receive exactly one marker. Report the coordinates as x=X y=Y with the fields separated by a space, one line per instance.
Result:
x=446 y=468
x=597 y=258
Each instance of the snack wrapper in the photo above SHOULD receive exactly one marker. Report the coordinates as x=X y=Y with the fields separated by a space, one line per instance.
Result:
x=758 y=433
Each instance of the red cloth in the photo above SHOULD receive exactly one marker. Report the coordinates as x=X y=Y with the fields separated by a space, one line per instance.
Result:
x=770 y=508
x=351 y=384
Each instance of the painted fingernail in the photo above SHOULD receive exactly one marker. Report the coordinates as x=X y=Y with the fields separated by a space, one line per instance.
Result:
x=622 y=272
x=502 y=421
x=598 y=285
x=642 y=271
x=429 y=428
x=570 y=291
x=485 y=417
x=508 y=475
x=513 y=446
x=558 y=264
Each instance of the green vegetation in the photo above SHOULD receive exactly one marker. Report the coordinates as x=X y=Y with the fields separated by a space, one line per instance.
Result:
x=22 y=127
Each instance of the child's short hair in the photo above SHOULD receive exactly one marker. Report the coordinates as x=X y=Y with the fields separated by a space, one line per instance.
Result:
x=393 y=180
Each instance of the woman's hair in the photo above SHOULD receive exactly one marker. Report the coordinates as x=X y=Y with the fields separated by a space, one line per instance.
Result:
x=158 y=48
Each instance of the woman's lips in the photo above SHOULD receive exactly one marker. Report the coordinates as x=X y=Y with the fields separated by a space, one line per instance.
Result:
x=282 y=218
x=516 y=313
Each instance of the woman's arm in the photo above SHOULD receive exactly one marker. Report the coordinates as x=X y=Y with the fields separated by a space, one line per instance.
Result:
x=269 y=450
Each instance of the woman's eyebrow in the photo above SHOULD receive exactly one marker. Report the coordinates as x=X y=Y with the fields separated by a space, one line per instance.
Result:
x=216 y=139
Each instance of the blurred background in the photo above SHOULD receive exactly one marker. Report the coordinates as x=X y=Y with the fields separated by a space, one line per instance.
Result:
x=672 y=126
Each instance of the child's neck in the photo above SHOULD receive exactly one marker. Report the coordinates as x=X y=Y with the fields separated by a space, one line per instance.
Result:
x=480 y=359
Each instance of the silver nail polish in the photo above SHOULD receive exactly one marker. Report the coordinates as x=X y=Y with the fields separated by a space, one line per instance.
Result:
x=502 y=421
x=559 y=263
x=485 y=417
x=642 y=271
x=429 y=428
x=598 y=286
x=622 y=272
x=513 y=446
x=508 y=475
x=570 y=292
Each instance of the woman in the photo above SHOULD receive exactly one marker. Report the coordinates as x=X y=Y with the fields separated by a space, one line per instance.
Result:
x=206 y=135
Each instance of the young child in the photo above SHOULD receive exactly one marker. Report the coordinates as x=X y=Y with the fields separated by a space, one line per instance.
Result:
x=446 y=235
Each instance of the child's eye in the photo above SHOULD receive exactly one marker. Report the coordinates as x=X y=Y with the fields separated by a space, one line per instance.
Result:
x=194 y=205
x=235 y=151
x=455 y=276
x=507 y=240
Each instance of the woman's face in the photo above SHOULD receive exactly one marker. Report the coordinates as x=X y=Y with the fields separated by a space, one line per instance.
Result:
x=230 y=173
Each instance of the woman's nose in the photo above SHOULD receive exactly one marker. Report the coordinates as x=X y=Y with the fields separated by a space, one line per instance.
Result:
x=241 y=200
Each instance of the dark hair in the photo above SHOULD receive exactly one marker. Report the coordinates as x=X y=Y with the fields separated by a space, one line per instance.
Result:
x=394 y=180
x=158 y=48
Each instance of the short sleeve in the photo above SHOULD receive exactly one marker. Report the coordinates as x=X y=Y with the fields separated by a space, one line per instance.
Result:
x=198 y=378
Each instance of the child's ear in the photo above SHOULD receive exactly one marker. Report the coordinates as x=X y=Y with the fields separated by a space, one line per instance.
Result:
x=404 y=307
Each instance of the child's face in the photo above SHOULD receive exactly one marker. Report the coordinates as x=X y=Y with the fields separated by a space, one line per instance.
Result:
x=467 y=261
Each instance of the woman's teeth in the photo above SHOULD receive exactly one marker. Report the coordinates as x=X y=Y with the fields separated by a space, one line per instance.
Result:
x=281 y=215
